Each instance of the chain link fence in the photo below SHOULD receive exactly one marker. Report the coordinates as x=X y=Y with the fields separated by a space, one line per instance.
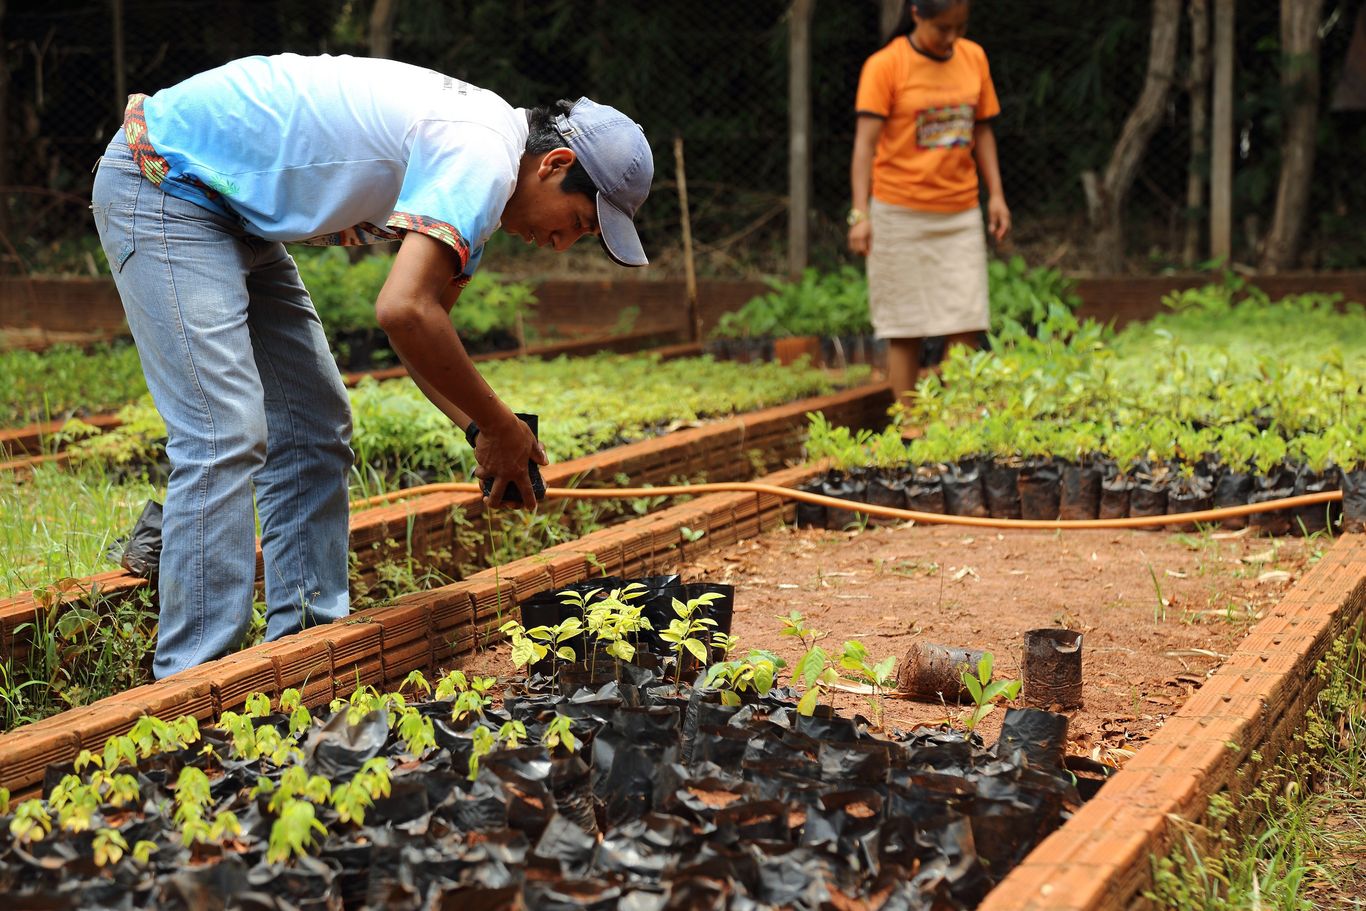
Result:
x=712 y=73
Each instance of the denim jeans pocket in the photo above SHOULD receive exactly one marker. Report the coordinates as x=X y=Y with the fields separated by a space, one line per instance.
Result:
x=114 y=203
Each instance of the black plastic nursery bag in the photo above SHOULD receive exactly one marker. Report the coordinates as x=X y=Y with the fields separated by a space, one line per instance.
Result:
x=1040 y=490
x=963 y=493
x=511 y=494
x=1354 y=501
x=1079 y=493
x=142 y=550
x=1001 y=482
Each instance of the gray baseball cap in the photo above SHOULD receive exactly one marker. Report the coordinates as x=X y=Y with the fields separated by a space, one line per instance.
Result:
x=617 y=156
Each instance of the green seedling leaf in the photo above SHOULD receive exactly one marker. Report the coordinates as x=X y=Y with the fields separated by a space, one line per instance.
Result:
x=973 y=687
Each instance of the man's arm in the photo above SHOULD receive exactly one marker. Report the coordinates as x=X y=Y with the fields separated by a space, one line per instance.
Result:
x=412 y=312
x=446 y=406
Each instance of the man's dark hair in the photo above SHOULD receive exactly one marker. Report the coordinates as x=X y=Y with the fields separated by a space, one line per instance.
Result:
x=544 y=137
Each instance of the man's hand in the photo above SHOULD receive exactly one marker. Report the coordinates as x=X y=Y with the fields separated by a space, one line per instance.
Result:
x=502 y=452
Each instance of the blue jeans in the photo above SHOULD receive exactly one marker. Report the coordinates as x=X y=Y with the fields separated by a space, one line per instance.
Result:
x=238 y=365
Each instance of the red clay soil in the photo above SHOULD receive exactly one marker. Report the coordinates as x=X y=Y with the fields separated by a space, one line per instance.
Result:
x=979 y=588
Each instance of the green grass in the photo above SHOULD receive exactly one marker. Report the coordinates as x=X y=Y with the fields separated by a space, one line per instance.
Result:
x=1307 y=849
x=58 y=524
x=92 y=650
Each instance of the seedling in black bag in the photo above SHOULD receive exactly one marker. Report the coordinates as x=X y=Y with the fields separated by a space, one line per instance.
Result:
x=814 y=669
x=511 y=494
x=688 y=631
x=880 y=676
x=986 y=693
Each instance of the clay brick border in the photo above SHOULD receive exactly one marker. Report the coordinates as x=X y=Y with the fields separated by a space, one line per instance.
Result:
x=1219 y=742
x=381 y=645
x=723 y=450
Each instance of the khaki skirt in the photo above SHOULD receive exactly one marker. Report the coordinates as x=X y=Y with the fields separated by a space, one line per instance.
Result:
x=927 y=272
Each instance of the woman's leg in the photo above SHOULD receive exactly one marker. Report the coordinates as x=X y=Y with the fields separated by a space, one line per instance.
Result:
x=969 y=340
x=903 y=367
x=301 y=492
x=181 y=273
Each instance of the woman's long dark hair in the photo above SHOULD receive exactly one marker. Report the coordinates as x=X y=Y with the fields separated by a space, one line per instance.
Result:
x=927 y=9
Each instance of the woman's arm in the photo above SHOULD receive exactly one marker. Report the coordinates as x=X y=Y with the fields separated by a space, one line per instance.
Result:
x=866 y=133
x=984 y=150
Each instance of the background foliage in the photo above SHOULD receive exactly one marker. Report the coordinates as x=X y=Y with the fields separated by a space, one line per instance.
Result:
x=715 y=73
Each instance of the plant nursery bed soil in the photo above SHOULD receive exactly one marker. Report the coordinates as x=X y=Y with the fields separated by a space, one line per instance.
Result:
x=979 y=588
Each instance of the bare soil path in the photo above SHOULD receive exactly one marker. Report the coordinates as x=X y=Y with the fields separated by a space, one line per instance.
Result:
x=1159 y=611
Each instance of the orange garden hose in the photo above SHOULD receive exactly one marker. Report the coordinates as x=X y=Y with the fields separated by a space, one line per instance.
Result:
x=888 y=512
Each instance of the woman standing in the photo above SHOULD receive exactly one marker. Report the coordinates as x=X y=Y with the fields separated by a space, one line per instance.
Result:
x=925 y=102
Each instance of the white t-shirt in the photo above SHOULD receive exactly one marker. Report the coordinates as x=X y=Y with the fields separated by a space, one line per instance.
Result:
x=341 y=150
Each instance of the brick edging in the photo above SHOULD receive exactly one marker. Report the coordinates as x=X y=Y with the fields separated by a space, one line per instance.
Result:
x=1098 y=861
x=381 y=645
x=1219 y=742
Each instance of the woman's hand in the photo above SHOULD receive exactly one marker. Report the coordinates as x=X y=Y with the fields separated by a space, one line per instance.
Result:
x=861 y=237
x=998 y=218
x=502 y=453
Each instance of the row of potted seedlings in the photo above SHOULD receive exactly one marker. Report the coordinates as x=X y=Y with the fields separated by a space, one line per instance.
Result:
x=618 y=774
x=1053 y=488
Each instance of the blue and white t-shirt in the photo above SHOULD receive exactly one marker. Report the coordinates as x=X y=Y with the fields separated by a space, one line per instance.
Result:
x=337 y=150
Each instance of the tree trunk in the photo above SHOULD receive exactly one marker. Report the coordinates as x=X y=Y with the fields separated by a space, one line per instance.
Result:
x=4 y=125
x=1221 y=133
x=1198 y=89
x=120 y=60
x=1351 y=91
x=889 y=12
x=799 y=136
x=1133 y=139
x=1300 y=79
x=382 y=28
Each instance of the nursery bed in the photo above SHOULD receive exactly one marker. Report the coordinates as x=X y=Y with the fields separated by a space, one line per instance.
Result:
x=1250 y=707
x=22 y=447
x=979 y=588
x=721 y=450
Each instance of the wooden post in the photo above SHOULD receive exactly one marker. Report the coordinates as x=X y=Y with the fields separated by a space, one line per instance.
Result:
x=1221 y=135
x=689 y=268
x=889 y=13
x=1198 y=89
x=799 y=136
x=120 y=63
x=382 y=28
x=4 y=133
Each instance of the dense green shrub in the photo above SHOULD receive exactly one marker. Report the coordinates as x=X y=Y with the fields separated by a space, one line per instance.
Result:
x=344 y=295
x=1226 y=372
x=830 y=304
x=836 y=303
x=585 y=404
x=1023 y=295
x=65 y=380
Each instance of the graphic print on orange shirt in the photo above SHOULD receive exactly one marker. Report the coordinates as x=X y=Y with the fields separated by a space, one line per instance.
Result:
x=948 y=127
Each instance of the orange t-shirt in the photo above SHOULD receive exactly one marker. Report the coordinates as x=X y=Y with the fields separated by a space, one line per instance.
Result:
x=930 y=106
